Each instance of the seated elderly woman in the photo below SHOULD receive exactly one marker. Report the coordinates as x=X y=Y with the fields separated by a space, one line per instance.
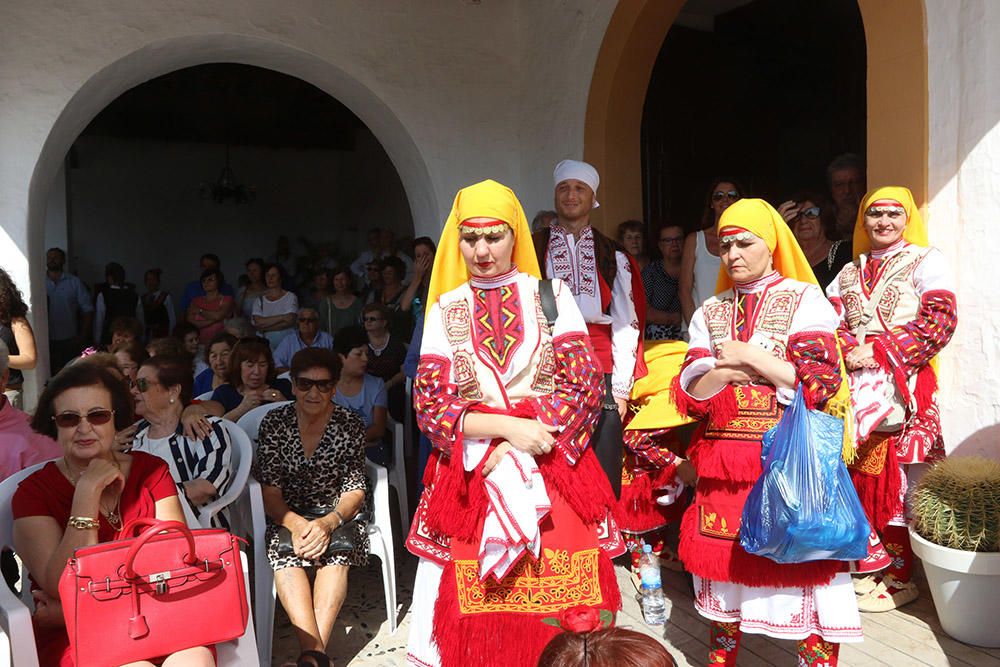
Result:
x=201 y=467
x=361 y=392
x=86 y=497
x=250 y=382
x=217 y=355
x=311 y=466
x=386 y=354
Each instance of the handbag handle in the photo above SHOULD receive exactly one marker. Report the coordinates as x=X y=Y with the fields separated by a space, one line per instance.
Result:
x=158 y=527
x=129 y=530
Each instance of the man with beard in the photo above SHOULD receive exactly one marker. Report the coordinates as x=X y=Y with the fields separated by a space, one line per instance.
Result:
x=607 y=287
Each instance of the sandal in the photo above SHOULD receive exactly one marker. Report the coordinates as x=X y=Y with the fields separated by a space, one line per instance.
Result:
x=313 y=658
x=889 y=594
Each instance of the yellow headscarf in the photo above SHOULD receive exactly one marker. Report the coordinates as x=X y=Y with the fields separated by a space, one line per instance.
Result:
x=650 y=397
x=915 y=231
x=760 y=219
x=487 y=199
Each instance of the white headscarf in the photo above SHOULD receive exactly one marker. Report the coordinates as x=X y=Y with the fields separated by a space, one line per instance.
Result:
x=577 y=170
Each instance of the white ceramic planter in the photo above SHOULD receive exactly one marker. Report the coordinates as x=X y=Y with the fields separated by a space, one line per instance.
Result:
x=965 y=586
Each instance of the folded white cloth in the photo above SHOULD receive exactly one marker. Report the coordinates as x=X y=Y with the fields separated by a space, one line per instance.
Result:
x=671 y=492
x=518 y=502
x=869 y=391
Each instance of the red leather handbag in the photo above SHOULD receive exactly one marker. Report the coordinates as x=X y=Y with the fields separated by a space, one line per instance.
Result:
x=168 y=589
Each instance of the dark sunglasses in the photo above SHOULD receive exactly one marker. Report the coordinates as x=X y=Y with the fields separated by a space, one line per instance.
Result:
x=371 y=319
x=811 y=212
x=324 y=386
x=143 y=384
x=731 y=195
x=72 y=419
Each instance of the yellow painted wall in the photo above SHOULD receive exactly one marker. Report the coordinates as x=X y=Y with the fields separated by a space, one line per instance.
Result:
x=895 y=32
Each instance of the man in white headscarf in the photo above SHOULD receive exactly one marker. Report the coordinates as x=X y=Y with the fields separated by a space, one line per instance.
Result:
x=607 y=287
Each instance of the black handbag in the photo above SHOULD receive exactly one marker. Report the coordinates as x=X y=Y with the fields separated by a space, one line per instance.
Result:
x=343 y=539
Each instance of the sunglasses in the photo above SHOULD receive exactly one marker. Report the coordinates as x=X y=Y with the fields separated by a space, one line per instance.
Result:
x=371 y=319
x=305 y=384
x=731 y=195
x=673 y=240
x=143 y=384
x=811 y=212
x=94 y=418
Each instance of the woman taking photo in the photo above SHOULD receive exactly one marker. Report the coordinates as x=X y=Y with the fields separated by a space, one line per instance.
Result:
x=275 y=311
x=813 y=220
x=509 y=402
x=889 y=346
x=15 y=331
x=311 y=466
x=414 y=299
x=208 y=311
x=767 y=332
x=342 y=308
x=86 y=497
x=700 y=259
x=200 y=467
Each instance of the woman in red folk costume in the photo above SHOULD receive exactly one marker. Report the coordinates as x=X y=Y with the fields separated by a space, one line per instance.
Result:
x=768 y=331
x=898 y=309
x=515 y=523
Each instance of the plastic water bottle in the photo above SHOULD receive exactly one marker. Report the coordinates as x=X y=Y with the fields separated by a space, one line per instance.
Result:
x=654 y=609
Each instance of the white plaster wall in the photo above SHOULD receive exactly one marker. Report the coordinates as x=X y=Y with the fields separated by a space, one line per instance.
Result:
x=964 y=179
x=131 y=198
x=455 y=91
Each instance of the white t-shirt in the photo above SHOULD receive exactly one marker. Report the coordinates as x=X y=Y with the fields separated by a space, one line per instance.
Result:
x=264 y=307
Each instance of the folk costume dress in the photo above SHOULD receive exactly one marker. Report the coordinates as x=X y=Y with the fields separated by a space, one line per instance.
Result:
x=812 y=602
x=652 y=496
x=500 y=553
x=914 y=318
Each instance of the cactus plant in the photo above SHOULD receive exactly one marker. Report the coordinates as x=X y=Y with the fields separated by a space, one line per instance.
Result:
x=957 y=504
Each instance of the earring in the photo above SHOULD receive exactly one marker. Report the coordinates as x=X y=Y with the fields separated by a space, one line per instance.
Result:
x=172 y=400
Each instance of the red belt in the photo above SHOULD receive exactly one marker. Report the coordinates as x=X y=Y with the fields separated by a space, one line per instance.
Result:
x=600 y=338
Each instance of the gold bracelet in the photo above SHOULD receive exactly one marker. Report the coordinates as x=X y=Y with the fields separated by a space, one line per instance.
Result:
x=82 y=523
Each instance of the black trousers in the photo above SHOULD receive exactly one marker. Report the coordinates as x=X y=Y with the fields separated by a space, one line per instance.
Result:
x=607 y=440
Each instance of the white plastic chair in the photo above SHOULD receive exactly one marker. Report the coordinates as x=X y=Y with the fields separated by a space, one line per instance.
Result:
x=397 y=473
x=287 y=375
x=250 y=519
x=15 y=617
x=242 y=459
x=204 y=397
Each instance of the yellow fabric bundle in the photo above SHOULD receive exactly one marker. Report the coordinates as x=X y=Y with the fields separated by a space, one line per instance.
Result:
x=652 y=393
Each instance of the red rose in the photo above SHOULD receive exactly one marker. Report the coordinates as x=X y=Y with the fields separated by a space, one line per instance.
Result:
x=580 y=619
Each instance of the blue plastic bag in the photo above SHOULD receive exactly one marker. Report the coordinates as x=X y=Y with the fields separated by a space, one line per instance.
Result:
x=804 y=506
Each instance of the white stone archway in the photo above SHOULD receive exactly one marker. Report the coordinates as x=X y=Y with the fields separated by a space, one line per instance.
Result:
x=162 y=57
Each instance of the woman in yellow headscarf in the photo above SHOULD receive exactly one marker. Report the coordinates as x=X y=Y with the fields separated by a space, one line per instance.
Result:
x=515 y=521
x=767 y=331
x=898 y=309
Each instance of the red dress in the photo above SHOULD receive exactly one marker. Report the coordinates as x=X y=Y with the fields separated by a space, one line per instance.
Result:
x=48 y=493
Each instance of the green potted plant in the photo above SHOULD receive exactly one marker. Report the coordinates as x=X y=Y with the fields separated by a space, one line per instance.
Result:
x=956 y=533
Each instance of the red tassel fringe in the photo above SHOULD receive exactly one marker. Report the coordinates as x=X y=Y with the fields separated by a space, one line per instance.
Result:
x=501 y=639
x=926 y=388
x=879 y=494
x=727 y=460
x=725 y=560
x=584 y=486
x=457 y=504
x=638 y=507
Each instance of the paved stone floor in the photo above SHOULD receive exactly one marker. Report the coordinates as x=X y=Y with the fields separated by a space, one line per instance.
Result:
x=910 y=636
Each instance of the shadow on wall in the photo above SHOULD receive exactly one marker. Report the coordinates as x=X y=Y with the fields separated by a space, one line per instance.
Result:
x=984 y=442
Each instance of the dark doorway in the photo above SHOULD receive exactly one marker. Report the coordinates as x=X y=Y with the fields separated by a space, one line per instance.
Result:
x=769 y=92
